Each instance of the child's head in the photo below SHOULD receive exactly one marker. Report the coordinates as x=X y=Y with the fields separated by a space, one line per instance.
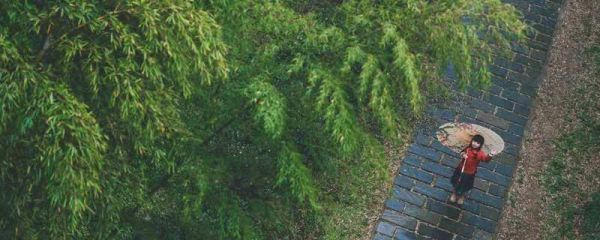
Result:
x=477 y=141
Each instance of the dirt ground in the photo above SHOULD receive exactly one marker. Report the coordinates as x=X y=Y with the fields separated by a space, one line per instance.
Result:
x=568 y=67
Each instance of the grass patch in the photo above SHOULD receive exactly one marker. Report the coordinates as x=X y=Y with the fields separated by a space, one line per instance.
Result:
x=576 y=209
x=591 y=218
x=568 y=179
x=359 y=194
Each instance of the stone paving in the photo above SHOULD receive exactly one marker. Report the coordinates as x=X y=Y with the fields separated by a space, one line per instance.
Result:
x=418 y=206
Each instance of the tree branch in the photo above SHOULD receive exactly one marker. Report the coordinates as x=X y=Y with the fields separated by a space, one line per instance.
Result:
x=48 y=42
x=46 y=45
x=163 y=181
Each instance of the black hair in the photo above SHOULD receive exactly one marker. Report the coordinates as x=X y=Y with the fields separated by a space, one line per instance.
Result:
x=479 y=139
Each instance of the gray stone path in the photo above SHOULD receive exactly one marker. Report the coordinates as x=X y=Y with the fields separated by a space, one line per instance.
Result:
x=418 y=206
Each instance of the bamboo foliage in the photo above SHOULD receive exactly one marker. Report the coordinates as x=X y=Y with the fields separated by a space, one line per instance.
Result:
x=220 y=119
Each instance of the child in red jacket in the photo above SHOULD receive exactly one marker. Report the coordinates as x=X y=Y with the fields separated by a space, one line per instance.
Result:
x=464 y=174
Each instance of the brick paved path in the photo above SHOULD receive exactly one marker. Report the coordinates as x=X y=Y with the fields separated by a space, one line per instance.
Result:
x=418 y=206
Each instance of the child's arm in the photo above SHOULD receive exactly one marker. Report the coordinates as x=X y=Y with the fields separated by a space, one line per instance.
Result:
x=488 y=157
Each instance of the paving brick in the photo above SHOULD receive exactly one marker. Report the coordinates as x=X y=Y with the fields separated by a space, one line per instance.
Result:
x=538 y=45
x=536 y=9
x=511 y=138
x=522 y=59
x=435 y=193
x=443 y=115
x=412 y=160
x=464 y=118
x=456 y=227
x=493 y=177
x=478 y=222
x=482 y=235
x=494 y=89
x=471 y=206
x=516 y=97
x=394 y=204
x=546 y=39
x=500 y=131
x=543 y=29
x=536 y=65
x=476 y=93
x=515 y=79
x=450 y=161
x=498 y=71
x=469 y=112
x=450 y=72
x=481 y=184
x=491 y=165
x=502 y=62
x=548 y=21
x=491 y=119
x=529 y=90
x=447 y=114
x=434 y=232
x=510 y=116
x=380 y=236
x=404 y=181
x=500 y=102
x=530 y=82
x=506 y=84
x=399 y=219
x=443 y=183
x=545 y=10
x=516 y=67
x=386 y=228
x=497 y=190
x=422 y=214
x=532 y=73
x=538 y=55
x=490 y=213
x=404 y=235
x=516 y=129
x=423 y=139
x=505 y=158
x=481 y=105
x=549 y=12
x=437 y=168
x=439 y=147
x=511 y=149
x=424 y=152
x=421 y=237
x=521 y=110
x=419 y=174
x=533 y=17
x=485 y=198
x=518 y=48
x=443 y=209
x=505 y=169
x=520 y=5
x=408 y=196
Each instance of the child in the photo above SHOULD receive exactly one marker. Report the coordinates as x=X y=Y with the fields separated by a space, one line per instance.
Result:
x=464 y=174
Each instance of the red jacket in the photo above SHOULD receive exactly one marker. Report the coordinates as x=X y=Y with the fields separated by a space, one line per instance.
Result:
x=474 y=157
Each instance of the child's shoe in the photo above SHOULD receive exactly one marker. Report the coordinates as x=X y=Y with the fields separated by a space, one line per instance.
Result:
x=461 y=200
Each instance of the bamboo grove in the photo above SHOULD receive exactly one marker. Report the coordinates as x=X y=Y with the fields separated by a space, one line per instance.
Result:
x=219 y=119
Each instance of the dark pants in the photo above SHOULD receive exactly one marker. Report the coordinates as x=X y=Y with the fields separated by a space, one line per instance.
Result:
x=462 y=182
